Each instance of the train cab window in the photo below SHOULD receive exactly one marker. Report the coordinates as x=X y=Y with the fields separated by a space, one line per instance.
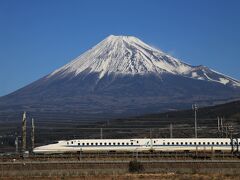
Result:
x=78 y=144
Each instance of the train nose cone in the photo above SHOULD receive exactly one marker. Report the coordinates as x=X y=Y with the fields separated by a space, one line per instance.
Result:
x=36 y=150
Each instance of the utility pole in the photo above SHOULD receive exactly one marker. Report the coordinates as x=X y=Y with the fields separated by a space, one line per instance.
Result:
x=16 y=144
x=221 y=123
x=218 y=127
x=226 y=129
x=101 y=135
x=170 y=128
x=194 y=107
x=33 y=134
x=24 y=133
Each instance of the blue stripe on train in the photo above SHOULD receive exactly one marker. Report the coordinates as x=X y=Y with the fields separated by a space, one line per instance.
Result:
x=193 y=145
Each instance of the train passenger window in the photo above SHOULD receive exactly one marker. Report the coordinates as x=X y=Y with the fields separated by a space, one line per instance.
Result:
x=79 y=144
x=204 y=143
x=235 y=143
x=199 y=143
x=67 y=143
x=114 y=144
x=168 y=143
x=92 y=144
x=154 y=141
x=96 y=144
x=239 y=143
x=221 y=143
x=83 y=144
x=181 y=143
x=87 y=143
x=131 y=143
x=172 y=143
x=186 y=143
x=190 y=143
x=212 y=143
x=109 y=143
x=105 y=144
x=118 y=143
x=195 y=143
x=127 y=143
x=217 y=143
x=163 y=143
x=208 y=143
x=137 y=141
x=72 y=142
x=122 y=143
x=226 y=143
x=100 y=143
x=177 y=143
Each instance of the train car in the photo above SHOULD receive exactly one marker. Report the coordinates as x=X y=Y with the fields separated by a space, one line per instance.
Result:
x=139 y=145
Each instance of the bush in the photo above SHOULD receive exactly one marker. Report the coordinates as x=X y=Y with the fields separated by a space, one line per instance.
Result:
x=135 y=166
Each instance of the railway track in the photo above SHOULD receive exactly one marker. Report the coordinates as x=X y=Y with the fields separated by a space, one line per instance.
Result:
x=121 y=162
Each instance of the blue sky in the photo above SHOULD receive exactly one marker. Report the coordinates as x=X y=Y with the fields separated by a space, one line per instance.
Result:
x=37 y=37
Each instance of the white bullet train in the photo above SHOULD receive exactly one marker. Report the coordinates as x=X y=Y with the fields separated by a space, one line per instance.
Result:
x=139 y=145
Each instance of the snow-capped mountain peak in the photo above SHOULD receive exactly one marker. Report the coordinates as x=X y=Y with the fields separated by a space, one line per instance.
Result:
x=123 y=55
x=128 y=55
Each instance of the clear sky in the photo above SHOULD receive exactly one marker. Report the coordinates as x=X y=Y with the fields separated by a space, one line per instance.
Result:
x=39 y=36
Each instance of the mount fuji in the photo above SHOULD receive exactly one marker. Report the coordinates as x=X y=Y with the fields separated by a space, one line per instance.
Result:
x=122 y=76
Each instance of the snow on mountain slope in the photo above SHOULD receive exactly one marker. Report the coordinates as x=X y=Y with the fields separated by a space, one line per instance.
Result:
x=127 y=55
x=123 y=55
x=207 y=74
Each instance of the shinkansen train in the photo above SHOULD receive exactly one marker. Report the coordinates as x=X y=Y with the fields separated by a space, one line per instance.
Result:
x=139 y=145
